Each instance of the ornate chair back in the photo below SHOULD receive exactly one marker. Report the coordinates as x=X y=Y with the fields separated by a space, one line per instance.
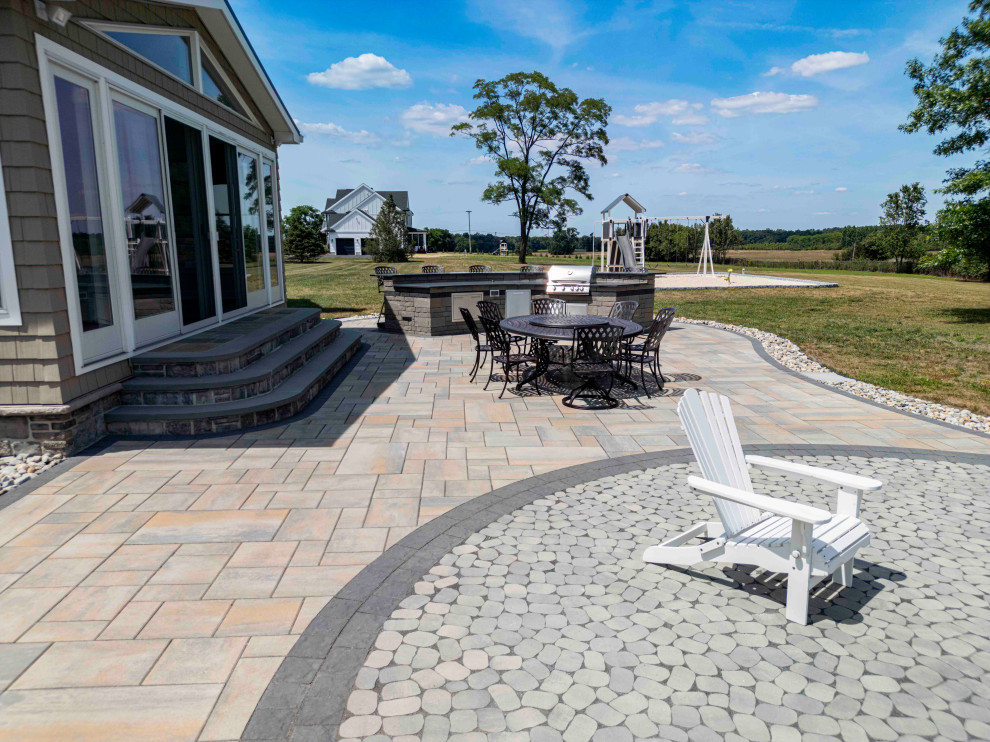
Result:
x=432 y=269
x=472 y=327
x=498 y=338
x=531 y=269
x=381 y=271
x=623 y=310
x=546 y=305
x=490 y=310
x=659 y=328
x=596 y=344
x=479 y=269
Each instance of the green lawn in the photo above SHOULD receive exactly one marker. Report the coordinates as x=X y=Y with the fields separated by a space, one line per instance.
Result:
x=921 y=335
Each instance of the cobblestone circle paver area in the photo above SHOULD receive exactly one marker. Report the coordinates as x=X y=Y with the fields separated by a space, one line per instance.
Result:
x=547 y=625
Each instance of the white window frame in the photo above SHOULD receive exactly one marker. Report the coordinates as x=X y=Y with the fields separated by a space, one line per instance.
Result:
x=10 y=304
x=52 y=54
x=196 y=48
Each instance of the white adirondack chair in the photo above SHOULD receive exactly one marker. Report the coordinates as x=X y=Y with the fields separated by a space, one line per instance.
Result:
x=804 y=542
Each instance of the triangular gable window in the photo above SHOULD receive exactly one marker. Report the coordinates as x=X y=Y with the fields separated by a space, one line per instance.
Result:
x=169 y=51
x=216 y=88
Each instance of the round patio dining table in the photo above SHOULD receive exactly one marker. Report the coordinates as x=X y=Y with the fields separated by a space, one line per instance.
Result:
x=560 y=328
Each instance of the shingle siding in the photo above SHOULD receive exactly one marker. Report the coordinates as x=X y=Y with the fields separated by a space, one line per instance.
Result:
x=36 y=364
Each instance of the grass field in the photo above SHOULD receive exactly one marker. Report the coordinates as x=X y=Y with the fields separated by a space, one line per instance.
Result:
x=921 y=335
x=785 y=255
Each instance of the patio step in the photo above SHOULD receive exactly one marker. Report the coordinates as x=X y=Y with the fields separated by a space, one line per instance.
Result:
x=284 y=401
x=229 y=347
x=260 y=377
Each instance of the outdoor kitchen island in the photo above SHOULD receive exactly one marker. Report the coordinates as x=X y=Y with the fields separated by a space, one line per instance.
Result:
x=428 y=304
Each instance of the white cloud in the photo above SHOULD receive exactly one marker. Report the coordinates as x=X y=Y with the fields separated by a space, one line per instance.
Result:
x=816 y=64
x=682 y=193
x=822 y=213
x=433 y=118
x=693 y=168
x=763 y=103
x=361 y=73
x=762 y=211
x=551 y=22
x=628 y=144
x=480 y=160
x=400 y=159
x=841 y=189
x=690 y=119
x=338 y=132
x=648 y=113
x=615 y=175
x=694 y=137
x=804 y=192
x=774 y=71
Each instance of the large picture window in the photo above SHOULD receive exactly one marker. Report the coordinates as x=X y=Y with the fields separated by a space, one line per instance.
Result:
x=166 y=218
x=10 y=308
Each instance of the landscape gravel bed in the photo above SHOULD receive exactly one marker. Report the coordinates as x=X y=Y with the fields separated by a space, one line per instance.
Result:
x=546 y=625
x=790 y=355
x=22 y=467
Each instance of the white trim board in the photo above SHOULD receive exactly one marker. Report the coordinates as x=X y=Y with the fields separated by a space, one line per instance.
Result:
x=10 y=303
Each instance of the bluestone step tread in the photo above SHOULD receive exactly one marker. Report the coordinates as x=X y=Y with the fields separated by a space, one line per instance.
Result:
x=294 y=386
x=261 y=368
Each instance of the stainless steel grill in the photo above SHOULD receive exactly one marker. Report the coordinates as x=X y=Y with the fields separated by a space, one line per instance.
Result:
x=570 y=279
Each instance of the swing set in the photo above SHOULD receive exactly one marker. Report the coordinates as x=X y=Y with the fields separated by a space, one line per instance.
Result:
x=625 y=250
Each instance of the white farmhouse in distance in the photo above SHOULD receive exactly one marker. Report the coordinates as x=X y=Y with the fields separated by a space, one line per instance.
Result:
x=348 y=217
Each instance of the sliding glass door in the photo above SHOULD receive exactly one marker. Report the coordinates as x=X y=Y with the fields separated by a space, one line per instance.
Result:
x=92 y=274
x=168 y=222
x=149 y=254
x=191 y=220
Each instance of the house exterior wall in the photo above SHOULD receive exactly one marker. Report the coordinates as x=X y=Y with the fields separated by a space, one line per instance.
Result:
x=36 y=364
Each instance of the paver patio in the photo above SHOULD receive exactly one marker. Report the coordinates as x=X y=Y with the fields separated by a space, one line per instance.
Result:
x=152 y=590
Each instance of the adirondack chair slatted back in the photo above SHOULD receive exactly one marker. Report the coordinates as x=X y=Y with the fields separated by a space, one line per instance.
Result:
x=711 y=430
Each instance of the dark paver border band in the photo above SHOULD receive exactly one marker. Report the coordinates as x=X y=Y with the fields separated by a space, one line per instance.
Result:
x=306 y=698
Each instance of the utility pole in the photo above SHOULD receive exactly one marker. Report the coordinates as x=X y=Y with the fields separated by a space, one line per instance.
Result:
x=469 y=231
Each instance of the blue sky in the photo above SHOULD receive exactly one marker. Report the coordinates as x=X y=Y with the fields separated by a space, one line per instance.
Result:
x=780 y=113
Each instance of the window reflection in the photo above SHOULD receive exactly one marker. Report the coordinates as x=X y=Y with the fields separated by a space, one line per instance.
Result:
x=266 y=169
x=142 y=188
x=83 y=190
x=168 y=51
x=247 y=166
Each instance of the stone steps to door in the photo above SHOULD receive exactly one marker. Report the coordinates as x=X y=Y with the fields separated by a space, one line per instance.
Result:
x=258 y=378
x=229 y=347
x=287 y=399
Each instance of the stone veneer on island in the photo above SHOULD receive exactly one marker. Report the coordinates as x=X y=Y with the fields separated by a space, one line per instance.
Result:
x=428 y=304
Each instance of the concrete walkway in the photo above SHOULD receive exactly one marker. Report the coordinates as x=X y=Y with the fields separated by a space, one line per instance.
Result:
x=151 y=591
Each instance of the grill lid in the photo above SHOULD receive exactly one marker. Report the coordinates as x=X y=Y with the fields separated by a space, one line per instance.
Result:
x=571 y=274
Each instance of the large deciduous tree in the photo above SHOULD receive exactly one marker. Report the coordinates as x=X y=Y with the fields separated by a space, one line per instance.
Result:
x=538 y=136
x=724 y=236
x=389 y=239
x=901 y=222
x=301 y=238
x=953 y=94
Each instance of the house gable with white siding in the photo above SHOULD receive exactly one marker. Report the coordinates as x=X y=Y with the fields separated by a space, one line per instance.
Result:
x=350 y=214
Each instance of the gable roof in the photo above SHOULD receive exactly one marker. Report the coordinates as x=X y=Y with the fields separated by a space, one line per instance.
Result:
x=226 y=30
x=401 y=198
x=629 y=201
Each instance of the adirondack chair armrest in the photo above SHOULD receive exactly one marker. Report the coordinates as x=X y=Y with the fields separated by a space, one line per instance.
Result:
x=803 y=471
x=774 y=505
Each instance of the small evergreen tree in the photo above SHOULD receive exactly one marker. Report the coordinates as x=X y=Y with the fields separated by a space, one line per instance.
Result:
x=301 y=238
x=389 y=241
